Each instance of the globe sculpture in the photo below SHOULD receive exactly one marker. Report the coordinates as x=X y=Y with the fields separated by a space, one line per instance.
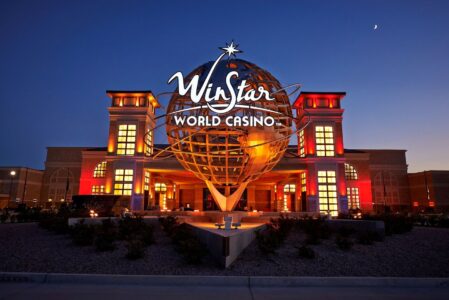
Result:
x=230 y=153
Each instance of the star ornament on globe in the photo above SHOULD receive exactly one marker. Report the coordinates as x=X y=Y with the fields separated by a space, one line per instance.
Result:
x=228 y=122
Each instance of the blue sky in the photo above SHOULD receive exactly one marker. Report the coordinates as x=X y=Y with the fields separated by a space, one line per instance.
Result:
x=57 y=59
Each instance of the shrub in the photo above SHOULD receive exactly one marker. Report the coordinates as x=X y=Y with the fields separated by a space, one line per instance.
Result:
x=345 y=232
x=104 y=242
x=136 y=249
x=268 y=240
x=368 y=237
x=54 y=222
x=312 y=238
x=192 y=250
x=283 y=225
x=397 y=224
x=344 y=243
x=306 y=252
x=105 y=236
x=168 y=224
x=82 y=234
x=147 y=235
x=4 y=217
x=187 y=244
x=13 y=218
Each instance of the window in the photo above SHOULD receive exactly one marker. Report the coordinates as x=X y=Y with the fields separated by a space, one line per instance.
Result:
x=126 y=140
x=353 y=198
x=289 y=188
x=303 y=182
x=302 y=150
x=149 y=143
x=123 y=182
x=146 y=185
x=160 y=187
x=97 y=189
x=350 y=172
x=100 y=170
x=327 y=192
x=324 y=136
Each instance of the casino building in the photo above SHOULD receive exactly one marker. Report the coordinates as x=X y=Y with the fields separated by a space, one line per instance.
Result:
x=318 y=174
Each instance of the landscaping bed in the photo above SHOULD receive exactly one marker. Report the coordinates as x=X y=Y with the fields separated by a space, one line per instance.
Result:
x=422 y=252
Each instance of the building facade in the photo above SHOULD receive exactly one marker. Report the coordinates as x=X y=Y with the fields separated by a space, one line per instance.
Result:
x=318 y=174
x=20 y=185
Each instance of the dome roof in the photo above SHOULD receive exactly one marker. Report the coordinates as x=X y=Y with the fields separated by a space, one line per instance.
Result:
x=246 y=71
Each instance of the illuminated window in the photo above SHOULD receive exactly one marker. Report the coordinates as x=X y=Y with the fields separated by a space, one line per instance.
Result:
x=149 y=143
x=327 y=192
x=350 y=172
x=302 y=151
x=324 y=136
x=100 y=170
x=146 y=185
x=123 y=182
x=97 y=189
x=126 y=140
x=289 y=188
x=160 y=187
x=303 y=182
x=353 y=198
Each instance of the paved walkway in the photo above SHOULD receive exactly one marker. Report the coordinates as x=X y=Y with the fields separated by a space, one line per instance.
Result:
x=85 y=287
x=38 y=291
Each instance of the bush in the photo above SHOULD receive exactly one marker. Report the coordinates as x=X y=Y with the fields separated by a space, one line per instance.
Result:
x=54 y=222
x=4 y=217
x=344 y=243
x=168 y=224
x=283 y=225
x=315 y=229
x=368 y=237
x=306 y=252
x=268 y=240
x=394 y=223
x=105 y=236
x=82 y=234
x=345 y=232
x=192 y=250
x=187 y=244
x=136 y=249
x=104 y=242
x=130 y=227
x=397 y=224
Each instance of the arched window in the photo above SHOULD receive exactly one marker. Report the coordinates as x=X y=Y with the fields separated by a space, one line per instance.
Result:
x=100 y=170
x=350 y=172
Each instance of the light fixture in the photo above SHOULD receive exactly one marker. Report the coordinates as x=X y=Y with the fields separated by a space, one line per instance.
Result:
x=12 y=173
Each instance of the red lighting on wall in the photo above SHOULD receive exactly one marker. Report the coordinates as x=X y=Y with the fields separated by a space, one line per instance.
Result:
x=415 y=203
x=431 y=203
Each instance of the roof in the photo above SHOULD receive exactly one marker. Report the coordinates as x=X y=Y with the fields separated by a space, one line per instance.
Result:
x=97 y=149
x=146 y=93
x=302 y=96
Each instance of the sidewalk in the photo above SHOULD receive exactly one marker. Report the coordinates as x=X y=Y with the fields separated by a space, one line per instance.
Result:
x=78 y=286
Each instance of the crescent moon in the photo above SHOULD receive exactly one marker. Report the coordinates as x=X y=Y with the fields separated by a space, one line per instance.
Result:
x=375 y=26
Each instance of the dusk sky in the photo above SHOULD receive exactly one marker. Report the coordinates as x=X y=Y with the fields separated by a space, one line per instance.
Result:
x=57 y=59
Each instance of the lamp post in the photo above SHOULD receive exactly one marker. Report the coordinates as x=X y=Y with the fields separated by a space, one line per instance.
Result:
x=12 y=174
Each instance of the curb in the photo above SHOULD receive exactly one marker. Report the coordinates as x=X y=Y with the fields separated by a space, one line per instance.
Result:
x=230 y=281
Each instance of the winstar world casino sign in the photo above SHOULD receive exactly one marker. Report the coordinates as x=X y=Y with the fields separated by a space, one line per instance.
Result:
x=222 y=90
